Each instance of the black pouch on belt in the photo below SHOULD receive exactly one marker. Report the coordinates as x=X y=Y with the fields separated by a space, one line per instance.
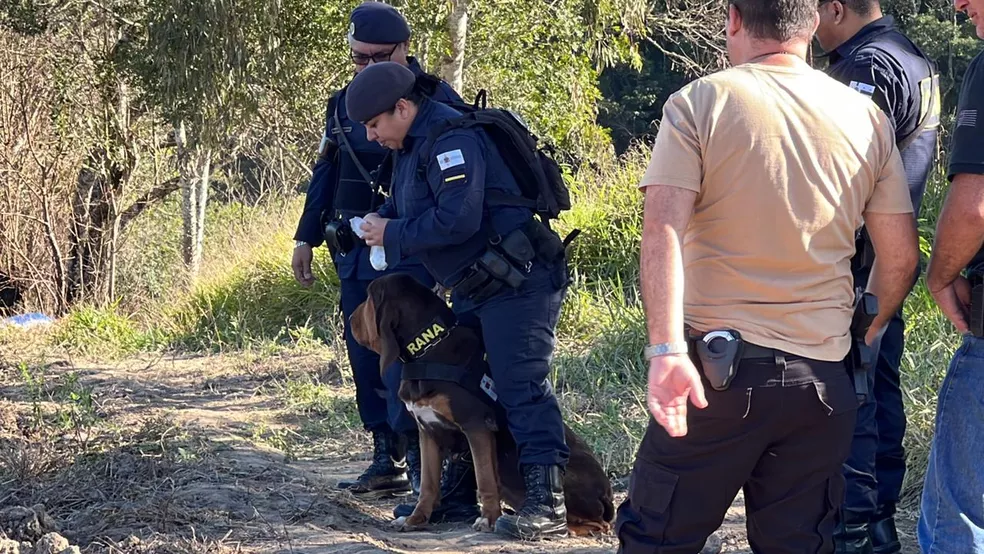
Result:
x=976 y=279
x=500 y=268
x=719 y=353
x=518 y=249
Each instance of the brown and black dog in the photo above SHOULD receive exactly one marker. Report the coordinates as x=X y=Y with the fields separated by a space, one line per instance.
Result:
x=399 y=317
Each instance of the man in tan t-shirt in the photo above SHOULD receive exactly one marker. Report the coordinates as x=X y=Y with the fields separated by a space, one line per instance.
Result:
x=760 y=176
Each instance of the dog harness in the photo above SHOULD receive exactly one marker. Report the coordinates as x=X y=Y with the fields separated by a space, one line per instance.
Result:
x=472 y=376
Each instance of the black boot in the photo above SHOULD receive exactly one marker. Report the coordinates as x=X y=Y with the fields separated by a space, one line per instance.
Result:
x=413 y=462
x=852 y=538
x=459 y=491
x=884 y=537
x=386 y=475
x=544 y=514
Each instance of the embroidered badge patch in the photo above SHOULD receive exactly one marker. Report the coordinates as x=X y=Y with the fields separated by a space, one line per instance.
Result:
x=863 y=88
x=450 y=159
x=488 y=385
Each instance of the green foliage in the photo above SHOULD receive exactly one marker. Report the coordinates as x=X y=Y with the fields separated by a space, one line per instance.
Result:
x=607 y=208
x=28 y=17
x=103 y=332
x=255 y=299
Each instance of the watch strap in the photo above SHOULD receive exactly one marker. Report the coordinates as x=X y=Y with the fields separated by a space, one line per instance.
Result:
x=665 y=349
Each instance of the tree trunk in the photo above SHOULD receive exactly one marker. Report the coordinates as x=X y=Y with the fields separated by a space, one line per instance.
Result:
x=453 y=69
x=195 y=166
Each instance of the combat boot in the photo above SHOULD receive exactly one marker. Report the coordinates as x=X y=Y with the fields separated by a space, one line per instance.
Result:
x=413 y=463
x=386 y=475
x=852 y=538
x=884 y=536
x=544 y=514
x=459 y=492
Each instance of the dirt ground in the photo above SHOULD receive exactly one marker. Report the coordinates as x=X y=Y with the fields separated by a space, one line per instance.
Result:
x=192 y=465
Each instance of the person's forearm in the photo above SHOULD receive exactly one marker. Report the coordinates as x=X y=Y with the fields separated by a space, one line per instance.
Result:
x=959 y=233
x=661 y=262
x=662 y=284
x=890 y=281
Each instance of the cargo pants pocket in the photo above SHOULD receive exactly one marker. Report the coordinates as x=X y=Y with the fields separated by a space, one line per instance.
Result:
x=642 y=520
x=834 y=498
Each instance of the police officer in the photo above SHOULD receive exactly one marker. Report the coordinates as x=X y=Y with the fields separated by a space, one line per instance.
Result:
x=759 y=177
x=868 y=53
x=440 y=211
x=951 y=518
x=341 y=188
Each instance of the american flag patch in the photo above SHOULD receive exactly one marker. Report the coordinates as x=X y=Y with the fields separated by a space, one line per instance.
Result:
x=967 y=118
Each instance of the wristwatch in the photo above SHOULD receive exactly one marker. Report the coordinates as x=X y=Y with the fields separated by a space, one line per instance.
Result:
x=300 y=243
x=665 y=349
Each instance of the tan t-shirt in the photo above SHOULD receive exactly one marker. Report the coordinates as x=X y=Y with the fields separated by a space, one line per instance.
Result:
x=784 y=162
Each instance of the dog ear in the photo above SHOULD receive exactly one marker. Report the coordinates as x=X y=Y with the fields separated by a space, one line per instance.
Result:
x=363 y=324
x=387 y=318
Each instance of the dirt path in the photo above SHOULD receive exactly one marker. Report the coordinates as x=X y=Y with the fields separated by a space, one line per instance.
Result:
x=214 y=478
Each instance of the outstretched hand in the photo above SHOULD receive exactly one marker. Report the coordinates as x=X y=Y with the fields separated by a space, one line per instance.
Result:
x=672 y=381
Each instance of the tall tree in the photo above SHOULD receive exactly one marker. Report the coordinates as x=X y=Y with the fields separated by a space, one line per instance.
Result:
x=454 y=63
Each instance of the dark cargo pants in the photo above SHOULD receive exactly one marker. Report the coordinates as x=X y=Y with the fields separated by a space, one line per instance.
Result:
x=780 y=433
x=875 y=468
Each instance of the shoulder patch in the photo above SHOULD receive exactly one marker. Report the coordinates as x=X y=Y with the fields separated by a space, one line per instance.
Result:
x=863 y=88
x=450 y=159
x=967 y=118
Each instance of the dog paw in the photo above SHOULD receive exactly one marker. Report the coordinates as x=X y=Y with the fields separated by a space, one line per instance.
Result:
x=399 y=522
x=483 y=525
x=411 y=523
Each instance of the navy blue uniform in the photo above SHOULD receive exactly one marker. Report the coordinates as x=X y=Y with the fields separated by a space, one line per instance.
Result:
x=438 y=214
x=338 y=188
x=883 y=64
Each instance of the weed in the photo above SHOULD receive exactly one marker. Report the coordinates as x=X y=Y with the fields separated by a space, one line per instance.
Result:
x=103 y=332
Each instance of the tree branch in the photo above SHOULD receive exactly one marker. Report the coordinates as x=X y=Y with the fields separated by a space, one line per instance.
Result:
x=157 y=194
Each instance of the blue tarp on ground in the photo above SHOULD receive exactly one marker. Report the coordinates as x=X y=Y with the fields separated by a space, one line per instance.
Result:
x=27 y=320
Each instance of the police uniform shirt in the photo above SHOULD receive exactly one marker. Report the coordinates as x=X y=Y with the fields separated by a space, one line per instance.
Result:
x=884 y=65
x=437 y=207
x=321 y=193
x=967 y=146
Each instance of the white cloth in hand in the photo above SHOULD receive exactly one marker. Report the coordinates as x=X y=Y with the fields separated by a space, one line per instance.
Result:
x=377 y=254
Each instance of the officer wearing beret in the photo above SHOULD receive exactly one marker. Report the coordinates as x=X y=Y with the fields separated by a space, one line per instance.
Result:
x=341 y=188
x=440 y=212
x=868 y=53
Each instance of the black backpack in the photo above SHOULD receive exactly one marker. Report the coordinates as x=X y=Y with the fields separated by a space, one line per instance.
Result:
x=533 y=166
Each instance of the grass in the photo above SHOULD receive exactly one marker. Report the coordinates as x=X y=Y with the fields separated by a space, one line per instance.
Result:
x=247 y=300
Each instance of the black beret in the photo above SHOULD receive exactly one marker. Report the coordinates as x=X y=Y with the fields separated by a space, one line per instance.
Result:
x=377 y=89
x=378 y=23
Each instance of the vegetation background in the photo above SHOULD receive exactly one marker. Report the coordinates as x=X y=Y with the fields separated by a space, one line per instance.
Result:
x=154 y=156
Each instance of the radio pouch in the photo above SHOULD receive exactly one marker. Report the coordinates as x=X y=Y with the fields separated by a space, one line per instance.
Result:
x=501 y=269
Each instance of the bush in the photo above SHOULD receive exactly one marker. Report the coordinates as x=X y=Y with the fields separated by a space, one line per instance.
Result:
x=252 y=298
x=103 y=332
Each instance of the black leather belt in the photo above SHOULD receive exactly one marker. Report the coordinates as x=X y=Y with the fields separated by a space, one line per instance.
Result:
x=751 y=351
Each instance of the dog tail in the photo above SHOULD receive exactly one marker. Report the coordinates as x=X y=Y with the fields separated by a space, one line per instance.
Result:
x=609 y=509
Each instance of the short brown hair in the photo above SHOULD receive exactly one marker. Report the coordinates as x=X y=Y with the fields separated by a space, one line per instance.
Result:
x=780 y=20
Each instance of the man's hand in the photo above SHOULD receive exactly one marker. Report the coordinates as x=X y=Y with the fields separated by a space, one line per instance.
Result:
x=301 y=263
x=374 y=229
x=672 y=380
x=954 y=300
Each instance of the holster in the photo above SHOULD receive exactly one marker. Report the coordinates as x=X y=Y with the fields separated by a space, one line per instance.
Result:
x=339 y=236
x=718 y=353
x=508 y=259
x=861 y=358
x=976 y=279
